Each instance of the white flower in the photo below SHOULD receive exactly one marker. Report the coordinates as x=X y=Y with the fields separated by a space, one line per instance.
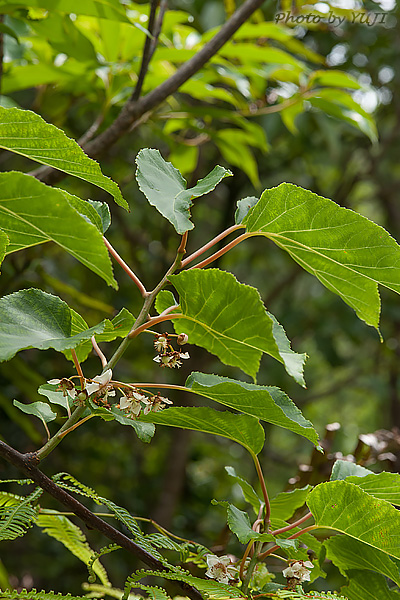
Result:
x=298 y=570
x=171 y=359
x=65 y=385
x=98 y=382
x=54 y=381
x=132 y=406
x=159 y=403
x=161 y=342
x=220 y=568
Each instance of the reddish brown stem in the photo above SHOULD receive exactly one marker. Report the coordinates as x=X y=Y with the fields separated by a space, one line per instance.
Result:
x=210 y=244
x=182 y=246
x=154 y=321
x=223 y=250
x=292 y=525
x=265 y=493
x=78 y=368
x=127 y=269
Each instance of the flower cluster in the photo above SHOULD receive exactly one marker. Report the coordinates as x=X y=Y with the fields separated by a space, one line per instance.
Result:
x=298 y=569
x=100 y=383
x=167 y=356
x=134 y=402
x=221 y=568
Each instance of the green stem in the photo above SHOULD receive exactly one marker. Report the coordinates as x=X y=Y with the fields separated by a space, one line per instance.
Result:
x=251 y=567
x=57 y=438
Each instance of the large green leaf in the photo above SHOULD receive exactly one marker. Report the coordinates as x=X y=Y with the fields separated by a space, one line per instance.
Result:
x=3 y=245
x=34 y=319
x=165 y=188
x=368 y=586
x=345 y=508
x=347 y=553
x=32 y=213
x=243 y=429
x=102 y=9
x=385 y=486
x=26 y=133
x=229 y=319
x=348 y=253
x=269 y=404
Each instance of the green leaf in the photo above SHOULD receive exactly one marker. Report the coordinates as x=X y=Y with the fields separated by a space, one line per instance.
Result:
x=287 y=544
x=32 y=213
x=249 y=493
x=343 y=468
x=269 y=404
x=164 y=300
x=165 y=188
x=7 y=30
x=385 y=486
x=285 y=504
x=348 y=253
x=229 y=319
x=368 y=586
x=334 y=78
x=34 y=319
x=347 y=553
x=41 y=410
x=53 y=396
x=100 y=411
x=144 y=431
x=3 y=245
x=243 y=207
x=344 y=507
x=239 y=524
x=26 y=133
x=243 y=429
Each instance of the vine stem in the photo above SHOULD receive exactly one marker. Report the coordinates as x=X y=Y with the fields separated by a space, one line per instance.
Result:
x=154 y=321
x=210 y=244
x=125 y=267
x=223 y=250
x=78 y=368
x=292 y=525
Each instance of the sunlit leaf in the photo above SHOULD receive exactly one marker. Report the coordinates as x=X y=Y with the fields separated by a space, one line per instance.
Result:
x=26 y=133
x=348 y=253
x=368 y=586
x=102 y=9
x=32 y=213
x=268 y=404
x=229 y=319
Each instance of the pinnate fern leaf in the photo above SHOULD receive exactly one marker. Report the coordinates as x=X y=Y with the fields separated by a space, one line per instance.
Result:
x=34 y=595
x=106 y=550
x=17 y=514
x=69 y=534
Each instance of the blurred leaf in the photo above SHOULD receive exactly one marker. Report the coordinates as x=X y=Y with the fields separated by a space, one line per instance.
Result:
x=243 y=429
x=34 y=319
x=165 y=188
x=33 y=213
x=8 y=31
x=269 y=404
x=26 y=133
x=102 y=9
x=348 y=253
x=334 y=78
x=345 y=508
x=229 y=319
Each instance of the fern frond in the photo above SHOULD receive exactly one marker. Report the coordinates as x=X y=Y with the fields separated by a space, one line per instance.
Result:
x=34 y=595
x=69 y=534
x=68 y=482
x=99 y=591
x=301 y=595
x=17 y=514
x=162 y=541
x=154 y=592
x=96 y=556
x=19 y=481
x=213 y=589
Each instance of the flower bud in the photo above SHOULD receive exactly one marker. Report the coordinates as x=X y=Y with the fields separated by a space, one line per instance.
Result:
x=182 y=339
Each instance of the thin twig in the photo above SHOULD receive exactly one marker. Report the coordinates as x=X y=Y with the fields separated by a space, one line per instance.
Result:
x=210 y=244
x=64 y=433
x=78 y=368
x=292 y=525
x=125 y=267
x=98 y=351
x=154 y=321
x=292 y=537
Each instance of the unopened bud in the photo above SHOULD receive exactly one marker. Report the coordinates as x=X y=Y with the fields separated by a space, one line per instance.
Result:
x=182 y=339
